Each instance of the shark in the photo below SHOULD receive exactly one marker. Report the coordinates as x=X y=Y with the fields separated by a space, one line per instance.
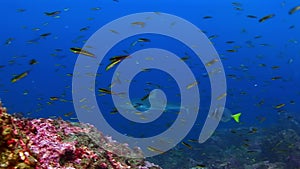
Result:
x=154 y=102
x=144 y=106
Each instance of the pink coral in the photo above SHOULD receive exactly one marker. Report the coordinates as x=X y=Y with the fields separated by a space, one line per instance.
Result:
x=48 y=143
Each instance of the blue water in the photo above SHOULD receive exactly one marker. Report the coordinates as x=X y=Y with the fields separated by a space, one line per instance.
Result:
x=251 y=90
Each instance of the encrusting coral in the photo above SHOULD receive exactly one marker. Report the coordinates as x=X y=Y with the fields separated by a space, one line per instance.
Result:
x=57 y=144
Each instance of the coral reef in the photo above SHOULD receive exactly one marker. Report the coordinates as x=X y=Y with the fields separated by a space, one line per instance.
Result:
x=57 y=144
x=14 y=144
x=241 y=148
x=284 y=146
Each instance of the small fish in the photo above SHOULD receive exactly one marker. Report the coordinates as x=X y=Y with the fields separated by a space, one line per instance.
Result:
x=261 y=102
x=145 y=97
x=257 y=37
x=21 y=10
x=95 y=8
x=212 y=37
x=221 y=96
x=293 y=41
x=36 y=29
x=114 y=111
x=25 y=92
x=9 y=41
x=207 y=17
x=252 y=130
x=82 y=100
x=52 y=13
x=236 y=4
x=154 y=150
x=106 y=91
x=211 y=62
x=84 y=28
x=35 y=41
x=32 y=62
x=140 y=40
x=192 y=85
x=200 y=166
x=121 y=57
x=276 y=78
x=193 y=140
x=185 y=58
x=81 y=51
x=187 y=145
x=54 y=98
x=115 y=60
x=281 y=111
x=45 y=35
x=112 y=64
x=266 y=17
x=114 y=31
x=68 y=114
x=275 y=67
x=279 y=106
x=295 y=9
x=252 y=16
x=243 y=93
x=264 y=44
x=138 y=23
x=65 y=101
x=236 y=117
x=262 y=65
x=238 y=8
x=231 y=50
x=292 y=27
x=144 y=40
x=233 y=76
x=230 y=42
x=19 y=77
x=146 y=70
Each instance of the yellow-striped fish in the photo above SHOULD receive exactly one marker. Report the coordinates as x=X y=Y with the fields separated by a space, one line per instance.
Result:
x=141 y=24
x=211 y=62
x=115 y=60
x=154 y=150
x=279 y=106
x=106 y=91
x=20 y=76
x=121 y=57
x=295 y=9
x=187 y=145
x=81 y=51
x=54 y=98
x=221 y=96
x=266 y=17
x=192 y=85
x=112 y=64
